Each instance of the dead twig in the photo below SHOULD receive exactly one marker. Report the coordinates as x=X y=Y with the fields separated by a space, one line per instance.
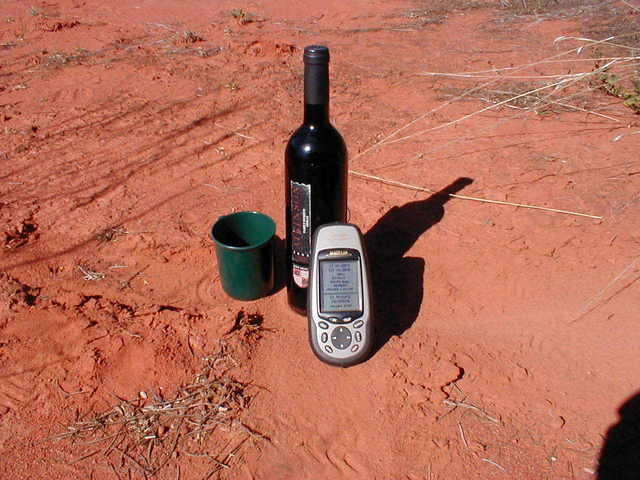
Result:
x=242 y=135
x=66 y=394
x=465 y=197
x=206 y=455
x=111 y=234
x=84 y=457
x=113 y=469
x=494 y=464
x=127 y=283
x=595 y=301
x=464 y=440
x=90 y=275
x=479 y=411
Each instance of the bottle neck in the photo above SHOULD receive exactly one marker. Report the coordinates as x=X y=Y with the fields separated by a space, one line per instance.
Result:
x=316 y=93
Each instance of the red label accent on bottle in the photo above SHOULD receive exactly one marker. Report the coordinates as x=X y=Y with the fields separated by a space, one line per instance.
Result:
x=301 y=275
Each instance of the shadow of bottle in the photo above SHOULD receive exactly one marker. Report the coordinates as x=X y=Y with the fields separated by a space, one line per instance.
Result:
x=620 y=455
x=398 y=280
x=280 y=273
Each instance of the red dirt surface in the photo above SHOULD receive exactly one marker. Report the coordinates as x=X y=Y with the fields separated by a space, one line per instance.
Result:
x=508 y=335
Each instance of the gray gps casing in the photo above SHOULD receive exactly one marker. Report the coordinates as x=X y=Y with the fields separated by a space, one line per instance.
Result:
x=346 y=336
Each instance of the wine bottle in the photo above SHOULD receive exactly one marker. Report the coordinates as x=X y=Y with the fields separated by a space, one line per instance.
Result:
x=315 y=175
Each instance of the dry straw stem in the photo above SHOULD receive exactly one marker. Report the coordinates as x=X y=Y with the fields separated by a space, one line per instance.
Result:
x=492 y=72
x=595 y=301
x=563 y=83
x=497 y=465
x=465 y=197
x=555 y=86
x=630 y=6
x=538 y=103
x=464 y=440
x=146 y=433
x=468 y=406
x=622 y=135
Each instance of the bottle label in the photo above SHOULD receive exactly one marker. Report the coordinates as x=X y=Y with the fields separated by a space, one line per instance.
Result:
x=301 y=275
x=300 y=232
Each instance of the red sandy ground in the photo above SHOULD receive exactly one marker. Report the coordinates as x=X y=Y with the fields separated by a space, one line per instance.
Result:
x=111 y=118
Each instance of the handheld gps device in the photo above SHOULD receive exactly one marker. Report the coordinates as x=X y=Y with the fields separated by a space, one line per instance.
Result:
x=339 y=296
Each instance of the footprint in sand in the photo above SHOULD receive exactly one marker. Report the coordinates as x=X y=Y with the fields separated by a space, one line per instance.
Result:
x=334 y=461
x=14 y=392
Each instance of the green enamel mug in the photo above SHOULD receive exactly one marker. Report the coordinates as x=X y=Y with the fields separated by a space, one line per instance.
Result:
x=244 y=243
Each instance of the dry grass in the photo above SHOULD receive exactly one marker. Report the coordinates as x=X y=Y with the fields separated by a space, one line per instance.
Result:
x=501 y=87
x=243 y=17
x=556 y=7
x=61 y=59
x=510 y=94
x=144 y=435
x=189 y=36
x=436 y=11
x=441 y=7
x=615 y=19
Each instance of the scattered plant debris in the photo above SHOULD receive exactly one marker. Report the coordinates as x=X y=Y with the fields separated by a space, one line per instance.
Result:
x=189 y=36
x=91 y=275
x=57 y=26
x=232 y=86
x=144 y=434
x=611 y=84
x=111 y=234
x=242 y=16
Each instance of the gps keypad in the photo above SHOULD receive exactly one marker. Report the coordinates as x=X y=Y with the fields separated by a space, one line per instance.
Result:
x=341 y=337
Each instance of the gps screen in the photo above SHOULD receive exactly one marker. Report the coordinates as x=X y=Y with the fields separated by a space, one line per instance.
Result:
x=340 y=286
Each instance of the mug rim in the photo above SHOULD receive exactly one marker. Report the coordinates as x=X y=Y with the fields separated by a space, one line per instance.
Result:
x=248 y=247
